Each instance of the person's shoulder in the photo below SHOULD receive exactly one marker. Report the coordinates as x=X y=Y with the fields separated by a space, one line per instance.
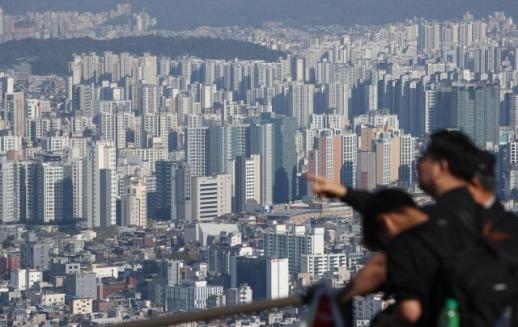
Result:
x=508 y=222
x=413 y=235
x=433 y=233
x=430 y=226
x=496 y=211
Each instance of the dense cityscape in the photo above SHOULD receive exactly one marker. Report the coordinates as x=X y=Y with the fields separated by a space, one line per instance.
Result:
x=139 y=185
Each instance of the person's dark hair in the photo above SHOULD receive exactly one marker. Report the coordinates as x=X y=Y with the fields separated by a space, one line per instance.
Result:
x=457 y=149
x=384 y=201
x=485 y=170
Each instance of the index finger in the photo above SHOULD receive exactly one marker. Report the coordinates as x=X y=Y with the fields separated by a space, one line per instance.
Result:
x=316 y=179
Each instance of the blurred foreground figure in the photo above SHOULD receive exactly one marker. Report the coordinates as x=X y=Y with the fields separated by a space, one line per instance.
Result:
x=457 y=175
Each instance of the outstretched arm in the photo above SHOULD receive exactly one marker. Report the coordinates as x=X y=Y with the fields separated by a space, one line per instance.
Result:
x=328 y=189
x=325 y=188
x=368 y=279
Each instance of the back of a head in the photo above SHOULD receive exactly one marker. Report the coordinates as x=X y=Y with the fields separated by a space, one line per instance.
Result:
x=384 y=201
x=485 y=170
x=457 y=149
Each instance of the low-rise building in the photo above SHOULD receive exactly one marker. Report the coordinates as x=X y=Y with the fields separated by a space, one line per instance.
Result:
x=82 y=306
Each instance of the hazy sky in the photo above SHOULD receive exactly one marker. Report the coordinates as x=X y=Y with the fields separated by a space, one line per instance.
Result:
x=191 y=13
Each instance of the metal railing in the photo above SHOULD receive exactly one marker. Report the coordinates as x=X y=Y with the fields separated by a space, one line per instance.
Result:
x=217 y=313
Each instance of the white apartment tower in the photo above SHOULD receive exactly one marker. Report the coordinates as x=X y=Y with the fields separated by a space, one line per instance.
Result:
x=292 y=243
x=247 y=182
x=277 y=278
x=211 y=197
x=75 y=172
x=50 y=192
x=195 y=152
x=301 y=102
x=9 y=192
x=253 y=179
x=319 y=264
x=149 y=67
x=261 y=143
x=149 y=99
x=134 y=203
x=350 y=159
x=101 y=185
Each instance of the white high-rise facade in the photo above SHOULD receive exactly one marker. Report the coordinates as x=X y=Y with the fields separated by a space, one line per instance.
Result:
x=2 y=21
x=277 y=278
x=253 y=179
x=301 y=102
x=50 y=192
x=211 y=197
x=106 y=126
x=124 y=121
x=195 y=152
x=134 y=203
x=149 y=67
x=101 y=185
x=83 y=100
x=172 y=272
x=350 y=159
x=292 y=243
x=23 y=279
x=191 y=295
x=247 y=175
x=319 y=264
x=337 y=99
x=149 y=100
x=127 y=64
x=77 y=175
x=261 y=142
x=9 y=192
x=206 y=98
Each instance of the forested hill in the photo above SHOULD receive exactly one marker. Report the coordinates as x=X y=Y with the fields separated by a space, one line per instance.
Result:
x=51 y=56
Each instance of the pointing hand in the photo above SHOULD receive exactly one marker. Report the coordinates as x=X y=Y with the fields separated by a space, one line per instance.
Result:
x=325 y=188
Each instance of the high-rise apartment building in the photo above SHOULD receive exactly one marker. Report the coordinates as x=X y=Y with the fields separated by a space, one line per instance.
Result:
x=387 y=149
x=101 y=185
x=261 y=143
x=10 y=192
x=134 y=203
x=327 y=158
x=285 y=187
x=196 y=150
x=247 y=182
x=15 y=109
x=148 y=67
x=83 y=100
x=50 y=182
x=149 y=99
x=476 y=110
x=300 y=102
x=277 y=278
x=292 y=243
x=211 y=197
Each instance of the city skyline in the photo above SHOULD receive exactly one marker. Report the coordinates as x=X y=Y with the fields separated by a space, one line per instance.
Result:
x=177 y=15
x=137 y=184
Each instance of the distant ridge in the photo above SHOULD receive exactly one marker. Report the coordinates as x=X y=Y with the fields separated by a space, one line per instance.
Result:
x=51 y=56
x=181 y=14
